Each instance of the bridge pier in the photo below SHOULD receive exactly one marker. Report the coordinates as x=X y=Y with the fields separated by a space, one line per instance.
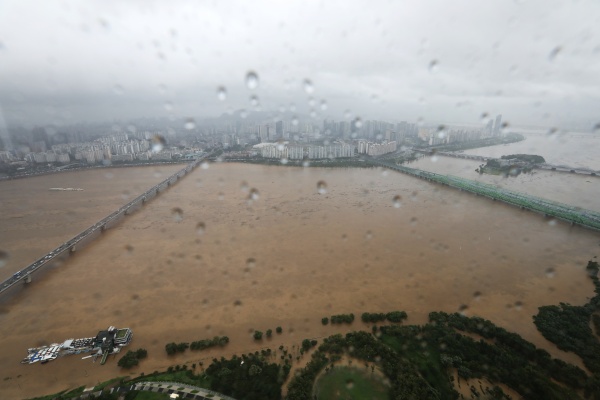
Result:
x=27 y=278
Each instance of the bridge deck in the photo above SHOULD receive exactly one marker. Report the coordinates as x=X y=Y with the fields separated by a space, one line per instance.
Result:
x=575 y=215
x=70 y=245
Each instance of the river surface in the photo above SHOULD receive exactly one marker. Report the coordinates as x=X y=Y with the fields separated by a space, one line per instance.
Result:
x=311 y=254
x=578 y=150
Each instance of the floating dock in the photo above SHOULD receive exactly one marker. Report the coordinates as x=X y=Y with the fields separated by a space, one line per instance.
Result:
x=106 y=342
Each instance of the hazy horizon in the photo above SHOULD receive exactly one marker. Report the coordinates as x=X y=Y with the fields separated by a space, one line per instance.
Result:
x=533 y=61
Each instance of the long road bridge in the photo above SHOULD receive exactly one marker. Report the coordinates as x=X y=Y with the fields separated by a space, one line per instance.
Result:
x=565 y=212
x=91 y=233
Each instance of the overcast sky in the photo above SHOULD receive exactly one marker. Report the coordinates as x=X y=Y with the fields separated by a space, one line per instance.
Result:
x=536 y=62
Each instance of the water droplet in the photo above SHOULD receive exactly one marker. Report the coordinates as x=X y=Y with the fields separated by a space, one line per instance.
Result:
x=477 y=295
x=244 y=186
x=485 y=118
x=323 y=105
x=311 y=102
x=158 y=143
x=518 y=305
x=550 y=272
x=190 y=124
x=253 y=100
x=306 y=163
x=118 y=89
x=177 y=214
x=221 y=93
x=284 y=160
x=552 y=222
x=251 y=263
x=251 y=80
x=243 y=114
x=308 y=86
x=397 y=201
x=253 y=194
x=129 y=248
x=369 y=235
x=295 y=120
x=463 y=308
x=200 y=228
x=441 y=132
x=321 y=187
x=168 y=106
x=204 y=165
x=3 y=258
x=237 y=303
x=349 y=384
x=596 y=128
x=434 y=158
x=433 y=66
x=347 y=114
x=554 y=53
x=504 y=127
x=358 y=122
x=413 y=221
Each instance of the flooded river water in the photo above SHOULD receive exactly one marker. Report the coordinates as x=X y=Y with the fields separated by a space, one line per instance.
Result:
x=202 y=259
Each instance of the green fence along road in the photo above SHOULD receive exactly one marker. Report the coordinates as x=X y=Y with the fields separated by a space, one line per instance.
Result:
x=565 y=212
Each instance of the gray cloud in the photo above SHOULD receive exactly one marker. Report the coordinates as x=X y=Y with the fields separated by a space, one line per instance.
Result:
x=536 y=62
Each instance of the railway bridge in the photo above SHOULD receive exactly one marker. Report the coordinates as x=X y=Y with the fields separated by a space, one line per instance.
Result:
x=565 y=212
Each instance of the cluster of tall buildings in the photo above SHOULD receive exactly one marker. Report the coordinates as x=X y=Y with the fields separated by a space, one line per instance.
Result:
x=299 y=152
x=375 y=149
x=116 y=147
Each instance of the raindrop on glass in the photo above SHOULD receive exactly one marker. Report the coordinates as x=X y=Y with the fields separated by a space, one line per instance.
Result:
x=251 y=263
x=244 y=186
x=369 y=235
x=283 y=160
x=477 y=295
x=158 y=143
x=347 y=114
x=118 y=89
x=433 y=66
x=323 y=105
x=221 y=93
x=308 y=86
x=550 y=272
x=295 y=120
x=3 y=258
x=358 y=122
x=204 y=165
x=253 y=100
x=190 y=124
x=251 y=80
x=243 y=114
x=253 y=194
x=168 y=106
x=321 y=187
x=200 y=228
x=177 y=214
x=397 y=201
x=554 y=53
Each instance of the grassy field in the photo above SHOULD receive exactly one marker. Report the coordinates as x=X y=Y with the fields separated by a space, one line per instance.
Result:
x=151 y=396
x=347 y=383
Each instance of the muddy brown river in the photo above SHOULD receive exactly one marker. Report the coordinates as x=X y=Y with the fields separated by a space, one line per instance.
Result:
x=347 y=250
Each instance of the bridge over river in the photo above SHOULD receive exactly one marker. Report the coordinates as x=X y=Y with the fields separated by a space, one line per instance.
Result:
x=546 y=166
x=94 y=231
x=565 y=212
